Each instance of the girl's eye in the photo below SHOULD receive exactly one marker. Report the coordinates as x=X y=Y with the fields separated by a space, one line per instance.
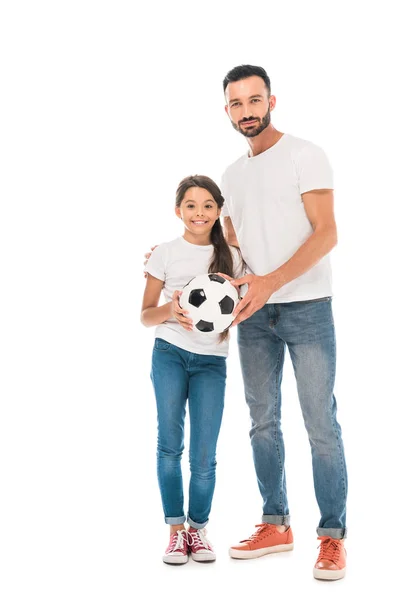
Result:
x=209 y=206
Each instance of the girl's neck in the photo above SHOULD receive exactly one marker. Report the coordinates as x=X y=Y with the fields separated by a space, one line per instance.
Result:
x=198 y=240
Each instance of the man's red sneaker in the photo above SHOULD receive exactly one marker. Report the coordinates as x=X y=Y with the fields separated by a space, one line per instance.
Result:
x=331 y=561
x=266 y=540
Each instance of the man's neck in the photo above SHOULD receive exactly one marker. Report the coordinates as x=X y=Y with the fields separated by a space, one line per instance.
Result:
x=264 y=140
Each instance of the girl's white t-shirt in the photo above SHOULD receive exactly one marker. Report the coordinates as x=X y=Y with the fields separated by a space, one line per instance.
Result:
x=176 y=263
x=263 y=199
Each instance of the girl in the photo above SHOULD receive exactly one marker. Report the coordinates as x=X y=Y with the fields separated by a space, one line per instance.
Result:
x=188 y=365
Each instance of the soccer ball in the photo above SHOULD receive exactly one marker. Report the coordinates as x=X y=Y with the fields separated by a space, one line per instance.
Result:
x=210 y=300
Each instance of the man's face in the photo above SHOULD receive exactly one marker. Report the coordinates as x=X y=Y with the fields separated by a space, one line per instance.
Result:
x=249 y=106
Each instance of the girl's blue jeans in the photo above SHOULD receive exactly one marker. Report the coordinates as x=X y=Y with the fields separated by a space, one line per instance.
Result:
x=183 y=378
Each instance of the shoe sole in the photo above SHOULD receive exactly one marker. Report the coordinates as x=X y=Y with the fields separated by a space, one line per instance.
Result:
x=202 y=557
x=175 y=560
x=260 y=552
x=329 y=575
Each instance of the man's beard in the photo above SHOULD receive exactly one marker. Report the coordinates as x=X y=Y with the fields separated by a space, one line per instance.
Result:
x=265 y=121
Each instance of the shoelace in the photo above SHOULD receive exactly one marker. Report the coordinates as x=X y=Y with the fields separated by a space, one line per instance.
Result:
x=263 y=530
x=329 y=549
x=179 y=542
x=198 y=540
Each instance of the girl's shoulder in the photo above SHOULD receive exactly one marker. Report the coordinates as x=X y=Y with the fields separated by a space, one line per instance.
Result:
x=168 y=252
x=165 y=247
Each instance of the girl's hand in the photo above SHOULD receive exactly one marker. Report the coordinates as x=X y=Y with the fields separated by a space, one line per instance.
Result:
x=178 y=313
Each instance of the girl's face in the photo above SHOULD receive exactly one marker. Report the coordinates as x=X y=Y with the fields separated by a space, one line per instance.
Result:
x=198 y=211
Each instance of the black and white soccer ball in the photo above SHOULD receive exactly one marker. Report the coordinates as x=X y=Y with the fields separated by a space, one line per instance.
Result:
x=210 y=300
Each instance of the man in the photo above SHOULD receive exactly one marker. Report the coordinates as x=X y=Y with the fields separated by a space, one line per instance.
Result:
x=279 y=211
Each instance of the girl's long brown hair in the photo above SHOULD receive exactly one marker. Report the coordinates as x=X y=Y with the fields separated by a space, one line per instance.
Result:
x=221 y=260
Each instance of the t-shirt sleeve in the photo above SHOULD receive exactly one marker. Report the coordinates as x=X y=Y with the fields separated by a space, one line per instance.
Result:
x=224 y=212
x=238 y=264
x=156 y=265
x=224 y=190
x=314 y=169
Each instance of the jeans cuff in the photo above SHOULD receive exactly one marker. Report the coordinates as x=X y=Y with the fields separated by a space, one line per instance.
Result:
x=336 y=534
x=196 y=525
x=175 y=520
x=276 y=519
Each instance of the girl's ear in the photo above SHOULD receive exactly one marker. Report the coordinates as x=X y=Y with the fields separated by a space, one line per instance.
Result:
x=178 y=212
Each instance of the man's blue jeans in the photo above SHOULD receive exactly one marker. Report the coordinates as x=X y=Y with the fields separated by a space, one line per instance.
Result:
x=179 y=376
x=307 y=329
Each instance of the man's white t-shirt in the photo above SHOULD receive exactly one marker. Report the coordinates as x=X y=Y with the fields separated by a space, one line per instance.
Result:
x=263 y=199
x=176 y=263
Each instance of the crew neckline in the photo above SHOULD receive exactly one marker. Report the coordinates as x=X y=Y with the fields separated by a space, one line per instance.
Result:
x=207 y=247
x=268 y=149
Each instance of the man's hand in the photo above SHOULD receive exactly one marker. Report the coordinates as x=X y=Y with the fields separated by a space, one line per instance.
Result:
x=229 y=278
x=147 y=256
x=178 y=313
x=259 y=291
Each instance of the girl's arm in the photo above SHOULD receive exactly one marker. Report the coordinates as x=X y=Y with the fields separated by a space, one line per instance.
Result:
x=152 y=314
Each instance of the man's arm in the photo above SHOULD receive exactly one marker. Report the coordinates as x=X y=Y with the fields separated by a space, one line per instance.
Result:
x=229 y=232
x=318 y=205
x=147 y=256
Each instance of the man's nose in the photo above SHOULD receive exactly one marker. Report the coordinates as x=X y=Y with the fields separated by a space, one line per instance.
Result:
x=247 y=111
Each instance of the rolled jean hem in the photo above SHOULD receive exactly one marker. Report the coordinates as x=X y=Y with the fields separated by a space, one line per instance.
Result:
x=336 y=534
x=175 y=520
x=196 y=525
x=276 y=519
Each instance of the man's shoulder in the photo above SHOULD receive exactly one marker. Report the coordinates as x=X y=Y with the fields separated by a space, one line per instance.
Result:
x=299 y=145
x=233 y=167
x=294 y=146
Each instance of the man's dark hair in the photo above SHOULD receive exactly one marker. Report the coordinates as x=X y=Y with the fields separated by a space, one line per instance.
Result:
x=244 y=71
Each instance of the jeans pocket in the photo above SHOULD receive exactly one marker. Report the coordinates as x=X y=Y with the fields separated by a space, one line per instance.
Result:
x=316 y=300
x=162 y=345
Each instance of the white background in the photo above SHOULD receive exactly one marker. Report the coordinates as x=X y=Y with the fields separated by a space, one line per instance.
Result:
x=105 y=106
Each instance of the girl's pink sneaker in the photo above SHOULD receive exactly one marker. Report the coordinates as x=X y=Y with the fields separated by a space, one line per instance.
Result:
x=177 y=551
x=200 y=548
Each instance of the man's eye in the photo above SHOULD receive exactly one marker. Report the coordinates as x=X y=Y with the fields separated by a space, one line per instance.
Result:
x=256 y=100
